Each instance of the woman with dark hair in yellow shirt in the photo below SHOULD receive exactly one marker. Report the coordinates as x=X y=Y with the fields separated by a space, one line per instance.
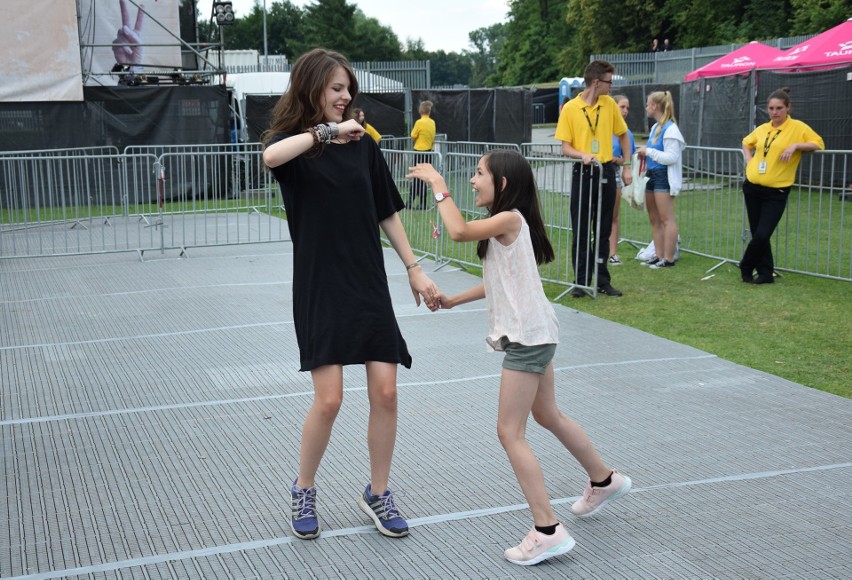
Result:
x=361 y=117
x=772 y=154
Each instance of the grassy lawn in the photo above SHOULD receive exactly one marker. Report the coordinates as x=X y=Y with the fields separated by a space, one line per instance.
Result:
x=797 y=328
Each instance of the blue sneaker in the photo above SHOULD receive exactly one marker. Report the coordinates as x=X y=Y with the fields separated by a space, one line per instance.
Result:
x=382 y=509
x=304 y=520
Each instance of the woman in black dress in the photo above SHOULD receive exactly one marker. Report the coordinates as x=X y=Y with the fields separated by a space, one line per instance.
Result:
x=338 y=192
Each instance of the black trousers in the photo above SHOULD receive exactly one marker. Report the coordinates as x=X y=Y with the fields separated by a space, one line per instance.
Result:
x=764 y=206
x=419 y=198
x=586 y=212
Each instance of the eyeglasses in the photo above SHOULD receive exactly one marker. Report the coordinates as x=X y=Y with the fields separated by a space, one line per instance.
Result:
x=606 y=81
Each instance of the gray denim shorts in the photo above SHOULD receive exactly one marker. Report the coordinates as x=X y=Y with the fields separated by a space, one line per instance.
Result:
x=528 y=359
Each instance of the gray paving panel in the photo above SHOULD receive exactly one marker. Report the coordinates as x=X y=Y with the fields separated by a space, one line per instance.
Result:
x=150 y=415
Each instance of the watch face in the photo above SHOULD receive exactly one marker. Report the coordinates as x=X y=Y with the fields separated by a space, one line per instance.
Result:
x=439 y=196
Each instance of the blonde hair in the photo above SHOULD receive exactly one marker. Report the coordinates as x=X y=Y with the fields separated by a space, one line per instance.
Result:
x=663 y=99
x=425 y=107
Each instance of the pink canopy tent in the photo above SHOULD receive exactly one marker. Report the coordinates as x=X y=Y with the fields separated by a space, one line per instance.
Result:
x=741 y=61
x=830 y=49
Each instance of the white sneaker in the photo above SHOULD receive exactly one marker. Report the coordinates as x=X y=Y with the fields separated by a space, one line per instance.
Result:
x=537 y=547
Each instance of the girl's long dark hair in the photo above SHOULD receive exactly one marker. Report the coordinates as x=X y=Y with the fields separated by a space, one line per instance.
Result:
x=520 y=193
x=300 y=106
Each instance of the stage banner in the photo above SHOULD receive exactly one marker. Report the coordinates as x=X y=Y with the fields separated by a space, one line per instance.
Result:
x=128 y=36
x=40 y=51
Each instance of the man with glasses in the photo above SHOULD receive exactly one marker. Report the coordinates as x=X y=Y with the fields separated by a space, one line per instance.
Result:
x=586 y=126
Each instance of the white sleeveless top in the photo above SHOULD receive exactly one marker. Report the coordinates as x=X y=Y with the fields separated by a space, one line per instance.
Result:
x=517 y=306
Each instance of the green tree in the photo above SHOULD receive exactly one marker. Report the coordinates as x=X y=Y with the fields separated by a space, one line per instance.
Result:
x=814 y=16
x=535 y=33
x=415 y=50
x=765 y=19
x=285 y=28
x=340 y=26
x=600 y=29
x=487 y=43
x=449 y=69
x=375 y=42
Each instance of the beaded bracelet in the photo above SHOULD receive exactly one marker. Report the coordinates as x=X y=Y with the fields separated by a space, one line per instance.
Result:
x=324 y=133
x=313 y=132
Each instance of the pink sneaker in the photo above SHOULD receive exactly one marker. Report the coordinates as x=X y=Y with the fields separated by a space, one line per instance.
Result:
x=596 y=498
x=537 y=547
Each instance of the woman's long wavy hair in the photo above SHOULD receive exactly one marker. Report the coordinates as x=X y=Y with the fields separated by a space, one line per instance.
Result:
x=301 y=105
x=520 y=193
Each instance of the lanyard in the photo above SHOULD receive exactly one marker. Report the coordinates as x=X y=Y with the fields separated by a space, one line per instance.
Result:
x=597 y=119
x=767 y=143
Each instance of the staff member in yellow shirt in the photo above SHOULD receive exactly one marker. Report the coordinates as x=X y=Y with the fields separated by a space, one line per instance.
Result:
x=361 y=117
x=586 y=126
x=423 y=133
x=772 y=154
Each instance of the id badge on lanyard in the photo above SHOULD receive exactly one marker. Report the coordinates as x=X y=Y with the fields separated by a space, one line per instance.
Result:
x=595 y=146
x=761 y=168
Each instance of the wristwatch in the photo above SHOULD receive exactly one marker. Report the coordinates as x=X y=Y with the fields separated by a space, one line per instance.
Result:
x=439 y=197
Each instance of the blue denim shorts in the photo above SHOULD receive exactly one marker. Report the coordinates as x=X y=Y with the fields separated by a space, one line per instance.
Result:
x=658 y=180
x=528 y=359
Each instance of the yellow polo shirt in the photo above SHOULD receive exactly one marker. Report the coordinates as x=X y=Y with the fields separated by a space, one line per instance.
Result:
x=371 y=131
x=580 y=124
x=778 y=173
x=423 y=133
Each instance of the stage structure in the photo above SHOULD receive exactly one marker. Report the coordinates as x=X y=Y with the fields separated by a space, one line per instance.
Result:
x=51 y=49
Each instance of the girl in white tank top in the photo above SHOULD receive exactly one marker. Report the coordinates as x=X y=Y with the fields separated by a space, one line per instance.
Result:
x=512 y=242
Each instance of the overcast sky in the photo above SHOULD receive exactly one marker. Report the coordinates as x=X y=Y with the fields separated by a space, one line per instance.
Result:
x=442 y=24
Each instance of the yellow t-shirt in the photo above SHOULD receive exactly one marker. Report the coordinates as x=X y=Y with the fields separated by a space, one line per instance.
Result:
x=581 y=124
x=423 y=133
x=775 y=141
x=371 y=131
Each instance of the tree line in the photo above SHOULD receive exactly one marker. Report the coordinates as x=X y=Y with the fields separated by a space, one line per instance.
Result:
x=539 y=40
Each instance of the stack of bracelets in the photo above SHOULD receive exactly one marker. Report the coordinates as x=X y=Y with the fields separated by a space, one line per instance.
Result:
x=323 y=133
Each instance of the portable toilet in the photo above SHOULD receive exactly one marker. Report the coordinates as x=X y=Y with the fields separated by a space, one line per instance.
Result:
x=565 y=86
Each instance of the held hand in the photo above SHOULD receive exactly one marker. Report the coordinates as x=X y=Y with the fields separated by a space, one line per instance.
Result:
x=618 y=160
x=641 y=151
x=350 y=130
x=421 y=285
x=587 y=159
x=129 y=55
x=444 y=301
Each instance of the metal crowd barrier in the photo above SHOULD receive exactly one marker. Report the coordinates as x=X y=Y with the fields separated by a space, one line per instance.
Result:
x=471 y=147
x=148 y=198
x=548 y=149
x=65 y=151
x=176 y=197
x=815 y=233
x=426 y=232
x=389 y=142
x=420 y=225
x=72 y=204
